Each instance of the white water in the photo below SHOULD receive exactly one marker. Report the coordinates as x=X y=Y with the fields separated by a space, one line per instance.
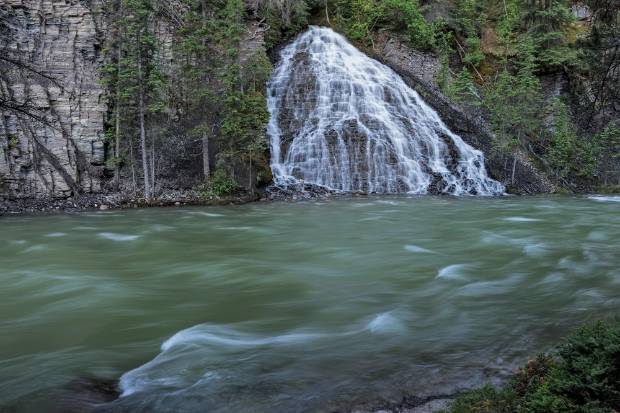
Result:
x=342 y=120
x=185 y=359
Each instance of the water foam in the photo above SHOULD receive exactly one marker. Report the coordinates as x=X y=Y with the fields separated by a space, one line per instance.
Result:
x=453 y=272
x=117 y=237
x=206 y=214
x=535 y=250
x=416 y=249
x=521 y=219
x=184 y=357
x=55 y=235
x=602 y=198
x=385 y=323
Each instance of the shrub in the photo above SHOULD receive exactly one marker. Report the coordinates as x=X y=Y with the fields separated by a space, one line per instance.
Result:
x=582 y=375
x=360 y=18
x=484 y=400
x=220 y=184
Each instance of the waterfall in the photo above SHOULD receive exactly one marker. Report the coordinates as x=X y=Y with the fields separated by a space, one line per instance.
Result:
x=342 y=120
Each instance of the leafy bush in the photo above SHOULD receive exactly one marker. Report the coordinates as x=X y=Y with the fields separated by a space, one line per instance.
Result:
x=582 y=375
x=484 y=400
x=220 y=184
x=406 y=15
x=359 y=18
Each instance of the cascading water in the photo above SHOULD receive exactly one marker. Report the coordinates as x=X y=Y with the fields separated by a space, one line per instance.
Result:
x=342 y=120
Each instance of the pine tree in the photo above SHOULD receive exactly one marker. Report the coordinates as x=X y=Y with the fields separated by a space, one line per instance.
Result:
x=137 y=84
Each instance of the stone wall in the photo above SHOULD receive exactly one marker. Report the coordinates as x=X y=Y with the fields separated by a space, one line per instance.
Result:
x=58 y=47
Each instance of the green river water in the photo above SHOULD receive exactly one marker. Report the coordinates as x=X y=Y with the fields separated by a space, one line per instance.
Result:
x=294 y=307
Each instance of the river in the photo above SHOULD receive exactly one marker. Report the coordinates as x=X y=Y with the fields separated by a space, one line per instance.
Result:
x=291 y=307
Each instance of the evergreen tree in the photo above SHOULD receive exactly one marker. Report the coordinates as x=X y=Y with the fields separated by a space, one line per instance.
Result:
x=600 y=53
x=137 y=81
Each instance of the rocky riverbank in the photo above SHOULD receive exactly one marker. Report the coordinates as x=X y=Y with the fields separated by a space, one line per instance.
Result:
x=45 y=205
x=116 y=201
x=90 y=395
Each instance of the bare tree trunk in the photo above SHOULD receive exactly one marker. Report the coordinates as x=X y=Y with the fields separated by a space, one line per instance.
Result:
x=250 y=176
x=145 y=163
x=206 y=167
x=133 y=167
x=117 y=126
x=327 y=14
x=152 y=165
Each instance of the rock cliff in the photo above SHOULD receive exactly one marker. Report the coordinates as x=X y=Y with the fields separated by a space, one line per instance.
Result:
x=52 y=142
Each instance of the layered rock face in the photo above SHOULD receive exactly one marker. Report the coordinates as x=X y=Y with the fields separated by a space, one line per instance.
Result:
x=52 y=143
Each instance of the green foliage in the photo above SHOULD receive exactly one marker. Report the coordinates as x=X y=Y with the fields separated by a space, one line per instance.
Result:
x=406 y=14
x=463 y=90
x=220 y=184
x=138 y=66
x=138 y=88
x=568 y=154
x=474 y=55
x=360 y=18
x=245 y=114
x=245 y=108
x=599 y=53
x=526 y=38
x=513 y=99
x=608 y=143
x=470 y=17
x=229 y=88
x=581 y=376
x=545 y=22
x=212 y=95
x=523 y=46
x=284 y=22
x=484 y=400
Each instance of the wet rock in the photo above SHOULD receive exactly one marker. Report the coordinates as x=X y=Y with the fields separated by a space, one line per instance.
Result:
x=581 y=11
x=84 y=394
x=431 y=406
x=296 y=191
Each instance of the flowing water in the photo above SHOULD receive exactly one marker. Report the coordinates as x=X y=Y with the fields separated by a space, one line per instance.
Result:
x=342 y=120
x=280 y=307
